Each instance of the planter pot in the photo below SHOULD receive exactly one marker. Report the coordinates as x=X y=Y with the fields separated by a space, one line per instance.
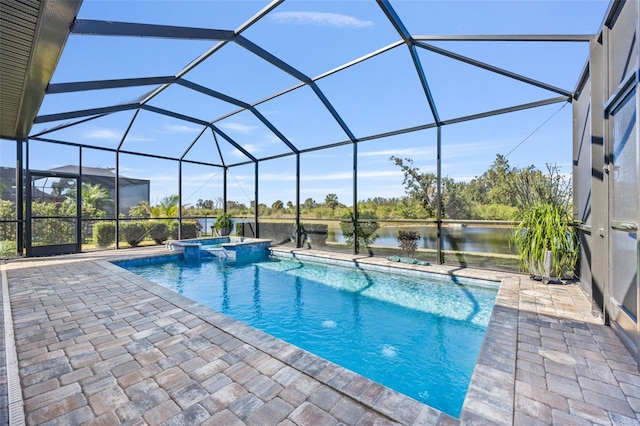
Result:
x=542 y=270
x=223 y=232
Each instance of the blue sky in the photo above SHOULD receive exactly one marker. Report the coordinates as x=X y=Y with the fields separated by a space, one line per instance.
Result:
x=379 y=95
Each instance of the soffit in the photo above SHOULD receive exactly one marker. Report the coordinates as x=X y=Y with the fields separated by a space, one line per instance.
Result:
x=32 y=36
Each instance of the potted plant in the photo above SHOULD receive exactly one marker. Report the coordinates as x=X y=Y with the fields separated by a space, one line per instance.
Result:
x=408 y=241
x=223 y=224
x=547 y=242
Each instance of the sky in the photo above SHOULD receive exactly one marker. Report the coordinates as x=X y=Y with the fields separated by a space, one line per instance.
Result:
x=379 y=95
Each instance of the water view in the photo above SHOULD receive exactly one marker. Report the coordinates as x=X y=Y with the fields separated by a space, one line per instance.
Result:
x=482 y=239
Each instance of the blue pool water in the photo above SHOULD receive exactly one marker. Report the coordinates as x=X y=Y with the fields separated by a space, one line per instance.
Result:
x=419 y=338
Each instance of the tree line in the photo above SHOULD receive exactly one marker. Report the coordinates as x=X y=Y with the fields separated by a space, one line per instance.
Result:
x=498 y=194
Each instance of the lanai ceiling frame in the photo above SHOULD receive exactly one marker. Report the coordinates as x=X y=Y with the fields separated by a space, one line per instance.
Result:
x=109 y=28
x=414 y=43
x=87 y=26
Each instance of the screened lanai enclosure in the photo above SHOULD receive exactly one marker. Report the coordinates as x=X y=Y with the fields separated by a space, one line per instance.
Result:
x=338 y=126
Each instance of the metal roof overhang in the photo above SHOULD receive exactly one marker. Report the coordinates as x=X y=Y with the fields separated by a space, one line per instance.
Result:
x=32 y=36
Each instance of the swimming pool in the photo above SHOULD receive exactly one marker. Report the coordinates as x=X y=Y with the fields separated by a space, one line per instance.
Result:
x=421 y=339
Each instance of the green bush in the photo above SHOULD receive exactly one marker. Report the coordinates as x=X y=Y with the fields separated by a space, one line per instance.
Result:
x=223 y=221
x=173 y=231
x=132 y=232
x=7 y=212
x=495 y=212
x=7 y=249
x=189 y=230
x=366 y=230
x=158 y=231
x=104 y=233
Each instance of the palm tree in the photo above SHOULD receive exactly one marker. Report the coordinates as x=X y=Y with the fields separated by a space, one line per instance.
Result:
x=95 y=200
x=331 y=201
x=167 y=207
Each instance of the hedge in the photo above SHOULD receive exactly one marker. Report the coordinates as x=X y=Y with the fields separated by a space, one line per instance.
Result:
x=158 y=231
x=104 y=233
x=189 y=230
x=132 y=232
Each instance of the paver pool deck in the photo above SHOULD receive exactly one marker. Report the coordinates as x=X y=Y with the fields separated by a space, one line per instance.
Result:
x=98 y=345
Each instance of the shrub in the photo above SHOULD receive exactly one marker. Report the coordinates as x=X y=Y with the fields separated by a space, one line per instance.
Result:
x=189 y=230
x=173 y=230
x=158 y=231
x=7 y=212
x=223 y=221
x=7 y=249
x=408 y=241
x=495 y=212
x=104 y=233
x=132 y=232
x=366 y=230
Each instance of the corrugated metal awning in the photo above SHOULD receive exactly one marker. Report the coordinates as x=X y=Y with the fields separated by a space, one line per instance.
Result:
x=32 y=36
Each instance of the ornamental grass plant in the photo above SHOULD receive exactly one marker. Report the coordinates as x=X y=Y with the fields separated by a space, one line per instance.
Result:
x=546 y=240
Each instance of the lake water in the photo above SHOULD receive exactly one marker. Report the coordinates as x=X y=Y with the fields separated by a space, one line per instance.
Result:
x=476 y=238
x=487 y=239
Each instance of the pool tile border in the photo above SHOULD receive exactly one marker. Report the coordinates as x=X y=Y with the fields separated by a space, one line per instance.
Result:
x=376 y=264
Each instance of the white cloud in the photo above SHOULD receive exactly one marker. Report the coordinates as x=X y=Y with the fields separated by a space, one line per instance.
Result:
x=202 y=178
x=180 y=128
x=238 y=127
x=475 y=149
x=324 y=19
x=104 y=134
x=272 y=138
x=251 y=149
x=135 y=138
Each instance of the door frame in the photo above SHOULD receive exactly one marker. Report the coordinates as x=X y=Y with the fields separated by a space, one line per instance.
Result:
x=622 y=321
x=54 y=249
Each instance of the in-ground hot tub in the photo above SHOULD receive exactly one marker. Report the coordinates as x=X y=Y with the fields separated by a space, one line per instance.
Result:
x=239 y=249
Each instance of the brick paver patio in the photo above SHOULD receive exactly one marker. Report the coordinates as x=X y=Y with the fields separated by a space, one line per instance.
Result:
x=99 y=345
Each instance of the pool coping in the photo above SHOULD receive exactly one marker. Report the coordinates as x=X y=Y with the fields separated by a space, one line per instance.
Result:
x=496 y=364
